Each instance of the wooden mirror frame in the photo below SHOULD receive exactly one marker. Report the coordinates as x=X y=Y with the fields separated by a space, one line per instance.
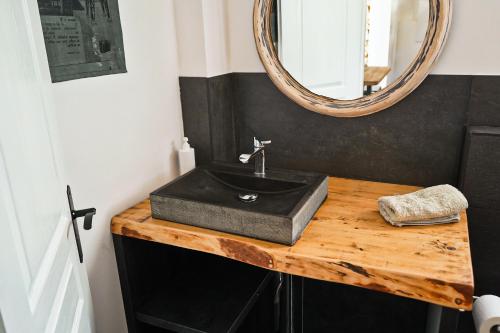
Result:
x=440 y=14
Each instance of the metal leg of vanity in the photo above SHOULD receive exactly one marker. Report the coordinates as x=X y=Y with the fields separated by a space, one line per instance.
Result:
x=442 y=320
x=293 y=305
x=125 y=283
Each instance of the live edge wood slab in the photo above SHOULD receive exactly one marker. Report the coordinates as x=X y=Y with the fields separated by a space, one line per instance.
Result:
x=347 y=242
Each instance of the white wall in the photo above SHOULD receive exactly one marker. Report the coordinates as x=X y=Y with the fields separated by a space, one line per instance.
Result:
x=190 y=38
x=216 y=43
x=243 y=56
x=473 y=46
x=474 y=41
x=119 y=134
x=202 y=37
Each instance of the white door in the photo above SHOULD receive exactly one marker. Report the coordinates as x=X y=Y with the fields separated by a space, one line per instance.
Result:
x=43 y=286
x=322 y=44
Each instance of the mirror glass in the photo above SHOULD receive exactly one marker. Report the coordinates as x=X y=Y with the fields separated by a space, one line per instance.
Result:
x=347 y=49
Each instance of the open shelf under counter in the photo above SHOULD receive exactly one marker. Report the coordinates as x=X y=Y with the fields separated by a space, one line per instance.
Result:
x=169 y=289
x=217 y=299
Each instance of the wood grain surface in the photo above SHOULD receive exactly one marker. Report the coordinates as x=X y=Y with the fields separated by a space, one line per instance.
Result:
x=375 y=74
x=346 y=242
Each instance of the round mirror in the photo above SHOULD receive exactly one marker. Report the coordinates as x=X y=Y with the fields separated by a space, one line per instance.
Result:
x=349 y=57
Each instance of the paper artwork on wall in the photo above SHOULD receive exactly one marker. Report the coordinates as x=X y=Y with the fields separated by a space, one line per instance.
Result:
x=83 y=38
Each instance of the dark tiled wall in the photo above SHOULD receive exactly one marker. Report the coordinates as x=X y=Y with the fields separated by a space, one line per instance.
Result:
x=481 y=167
x=480 y=182
x=208 y=117
x=196 y=116
x=484 y=105
x=417 y=141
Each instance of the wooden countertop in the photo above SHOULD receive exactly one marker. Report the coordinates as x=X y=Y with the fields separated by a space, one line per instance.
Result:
x=373 y=75
x=347 y=242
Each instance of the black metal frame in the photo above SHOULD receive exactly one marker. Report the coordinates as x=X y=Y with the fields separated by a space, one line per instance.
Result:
x=288 y=294
x=442 y=320
x=125 y=284
x=294 y=305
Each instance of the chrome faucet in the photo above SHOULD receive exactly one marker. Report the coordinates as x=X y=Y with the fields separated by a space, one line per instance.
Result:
x=258 y=155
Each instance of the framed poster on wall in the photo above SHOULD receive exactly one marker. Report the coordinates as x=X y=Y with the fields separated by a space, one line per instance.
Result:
x=83 y=38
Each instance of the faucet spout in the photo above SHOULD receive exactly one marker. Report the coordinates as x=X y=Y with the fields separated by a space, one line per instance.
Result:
x=258 y=155
x=245 y=158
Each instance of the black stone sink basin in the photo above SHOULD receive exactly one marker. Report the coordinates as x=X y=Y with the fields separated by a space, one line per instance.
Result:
x=251 y=183
x=281 y=203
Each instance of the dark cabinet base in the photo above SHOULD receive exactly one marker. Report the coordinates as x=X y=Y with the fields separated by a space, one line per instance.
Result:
x=168 y=289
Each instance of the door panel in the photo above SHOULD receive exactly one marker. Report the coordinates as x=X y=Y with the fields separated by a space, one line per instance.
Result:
x=43 y=287
x=25 y=142
x=34 y=186
x=322 y=45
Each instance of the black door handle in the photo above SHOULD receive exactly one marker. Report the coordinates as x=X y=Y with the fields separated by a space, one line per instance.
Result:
x=88 y=214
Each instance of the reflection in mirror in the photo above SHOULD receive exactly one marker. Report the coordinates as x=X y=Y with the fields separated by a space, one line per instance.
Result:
x=346 y=49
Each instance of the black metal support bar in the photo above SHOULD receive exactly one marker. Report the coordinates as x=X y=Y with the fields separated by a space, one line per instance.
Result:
x=121 y=261
x=298 y=304
x=277 y=302
x=442 y=320
x=286 y=317
x=292 y=321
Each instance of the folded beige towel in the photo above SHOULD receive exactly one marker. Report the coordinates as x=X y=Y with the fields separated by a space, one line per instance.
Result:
x=433 y=205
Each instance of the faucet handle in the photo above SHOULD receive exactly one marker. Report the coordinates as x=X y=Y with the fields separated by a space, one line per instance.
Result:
x=260 y=143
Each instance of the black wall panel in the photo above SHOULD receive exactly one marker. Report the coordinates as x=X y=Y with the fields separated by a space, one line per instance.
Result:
x=480 y=180
x=418 y=141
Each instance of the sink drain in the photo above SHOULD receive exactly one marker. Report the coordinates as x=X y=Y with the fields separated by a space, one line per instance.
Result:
x=248 y=197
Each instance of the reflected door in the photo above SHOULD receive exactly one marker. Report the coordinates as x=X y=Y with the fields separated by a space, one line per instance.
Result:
x=321 y=44
x=43 y=286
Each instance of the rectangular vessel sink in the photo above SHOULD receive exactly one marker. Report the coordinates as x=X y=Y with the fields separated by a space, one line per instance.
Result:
x=276 y=207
